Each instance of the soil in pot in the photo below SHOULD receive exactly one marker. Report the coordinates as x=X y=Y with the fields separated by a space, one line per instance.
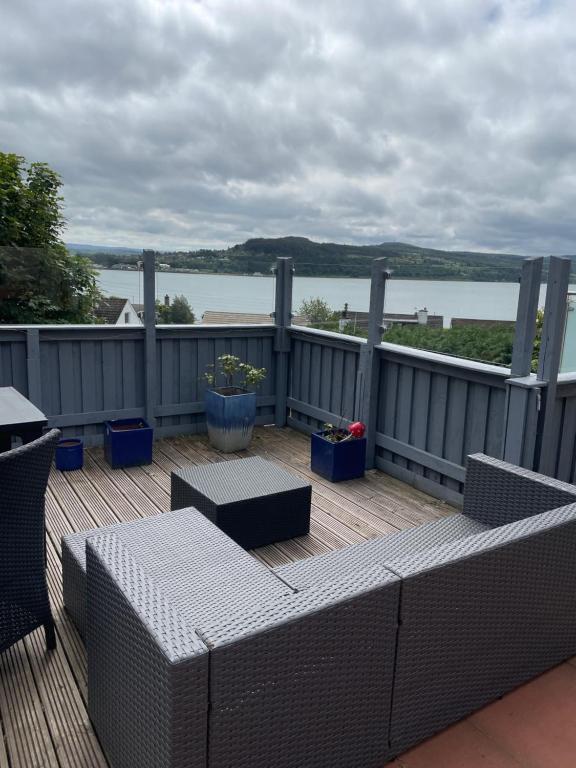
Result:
x=128 y=427
x=228 y=391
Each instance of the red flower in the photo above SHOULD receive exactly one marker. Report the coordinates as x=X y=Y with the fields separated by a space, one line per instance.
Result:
x=357 y=429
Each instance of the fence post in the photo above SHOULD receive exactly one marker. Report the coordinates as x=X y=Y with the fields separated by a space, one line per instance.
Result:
x=33 y=366
x=526 y=317
x=149 y=259
x=366 y=405
x=522 y=390
x=284 y=271
x=549 y=359
x=523 y=396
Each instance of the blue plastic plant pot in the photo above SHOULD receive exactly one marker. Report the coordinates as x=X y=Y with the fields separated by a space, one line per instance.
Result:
x=128 y=442
x=338 y=461
x=69 y=454
x=230 y=419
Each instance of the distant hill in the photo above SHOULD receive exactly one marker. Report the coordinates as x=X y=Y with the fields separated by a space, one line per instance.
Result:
x=335 y=260
x=88 y=250
x=404 y=260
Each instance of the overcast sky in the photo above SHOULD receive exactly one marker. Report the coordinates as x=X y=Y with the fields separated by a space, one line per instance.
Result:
x=448 y=123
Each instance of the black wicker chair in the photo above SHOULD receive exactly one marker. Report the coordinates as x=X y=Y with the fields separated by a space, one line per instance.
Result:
x=24 y=603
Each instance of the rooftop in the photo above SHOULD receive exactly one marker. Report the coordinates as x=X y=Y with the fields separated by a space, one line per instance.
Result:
x=212 y=317
x=110 y=308
x=43 y=715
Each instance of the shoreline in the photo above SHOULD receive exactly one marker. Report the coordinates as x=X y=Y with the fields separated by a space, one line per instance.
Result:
x=428 y=279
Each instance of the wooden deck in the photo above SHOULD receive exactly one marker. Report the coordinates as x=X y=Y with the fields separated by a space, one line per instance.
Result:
x=43 y=715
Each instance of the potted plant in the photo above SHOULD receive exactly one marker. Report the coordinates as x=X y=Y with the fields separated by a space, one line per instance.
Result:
x=128 y=442
x=339 y=453
x=231 y=407
x=69 y=454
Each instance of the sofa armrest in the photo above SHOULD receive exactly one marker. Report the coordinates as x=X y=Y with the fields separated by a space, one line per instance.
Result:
x=497 y=493
x=306 y=675
x=147 y=669
x=479 y=617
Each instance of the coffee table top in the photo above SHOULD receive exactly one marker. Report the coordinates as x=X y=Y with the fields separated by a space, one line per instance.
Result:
x=227 y=482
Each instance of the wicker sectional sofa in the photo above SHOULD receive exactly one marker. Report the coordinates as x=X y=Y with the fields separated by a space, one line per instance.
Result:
x=198 y=655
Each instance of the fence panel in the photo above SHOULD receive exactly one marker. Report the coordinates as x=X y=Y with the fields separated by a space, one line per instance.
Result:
x=183 y=355
x=89 y=374
x=565 y=417
x=432 y=412
x=323 y=378
x=13 y=361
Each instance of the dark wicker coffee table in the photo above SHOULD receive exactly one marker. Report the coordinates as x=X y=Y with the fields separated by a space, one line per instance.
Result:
x=252 y=500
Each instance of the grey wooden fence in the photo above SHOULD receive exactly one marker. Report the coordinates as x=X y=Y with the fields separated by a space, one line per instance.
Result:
x=13 y=366
x=434 y=410
x=425 y=411
x=80 y=376
x=565 y=426
x=182 y=355
x=323 y=378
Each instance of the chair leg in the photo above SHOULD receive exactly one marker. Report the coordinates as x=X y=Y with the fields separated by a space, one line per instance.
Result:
x=50 y=633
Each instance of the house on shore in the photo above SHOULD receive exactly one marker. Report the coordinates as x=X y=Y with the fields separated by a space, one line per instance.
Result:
x=359 y=320
x=460 y=322
x=117 y=311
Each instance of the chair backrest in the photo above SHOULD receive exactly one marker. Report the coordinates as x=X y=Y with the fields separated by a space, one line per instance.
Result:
x=23 y=479
x=497 y=493
x=479 y=617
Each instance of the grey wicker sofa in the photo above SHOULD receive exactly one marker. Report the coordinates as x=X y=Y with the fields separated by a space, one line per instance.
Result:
x=200 y=656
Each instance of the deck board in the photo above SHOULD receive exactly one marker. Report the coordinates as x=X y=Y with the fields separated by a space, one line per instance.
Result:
x=43 y=700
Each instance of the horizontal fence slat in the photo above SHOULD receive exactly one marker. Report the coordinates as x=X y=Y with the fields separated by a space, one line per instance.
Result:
x=172 y=409
x=419 y=481
x=425 y=459
x=566 y=391
x=316 y=413
x=301 y=426
x=456 y=367
x=172 y=430
x=97 y=417
x=178 y=409
x=327 y=338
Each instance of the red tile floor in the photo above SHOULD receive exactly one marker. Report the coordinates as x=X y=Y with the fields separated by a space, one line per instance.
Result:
x=532 y=727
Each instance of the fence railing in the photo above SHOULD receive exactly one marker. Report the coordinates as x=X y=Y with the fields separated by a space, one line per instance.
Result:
x=323 y=378
x=81 y=376
x=425 y=411
x=432 y=412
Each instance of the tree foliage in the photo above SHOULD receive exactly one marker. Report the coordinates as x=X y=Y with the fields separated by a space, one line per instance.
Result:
x=179 y=312
x=316 y=311
x=489 y=345
x=40 y=282
x=235 y=373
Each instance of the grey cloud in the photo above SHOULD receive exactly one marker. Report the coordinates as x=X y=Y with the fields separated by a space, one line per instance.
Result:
x=179 y=124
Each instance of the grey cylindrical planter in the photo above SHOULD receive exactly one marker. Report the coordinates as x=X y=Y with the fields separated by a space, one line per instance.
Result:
x=230 y=418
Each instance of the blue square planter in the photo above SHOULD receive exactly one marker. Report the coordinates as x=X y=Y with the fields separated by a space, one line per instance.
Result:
x=338 y=461
x=128 y=442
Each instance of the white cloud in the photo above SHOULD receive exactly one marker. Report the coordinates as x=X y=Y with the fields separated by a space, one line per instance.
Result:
x=179 y=124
